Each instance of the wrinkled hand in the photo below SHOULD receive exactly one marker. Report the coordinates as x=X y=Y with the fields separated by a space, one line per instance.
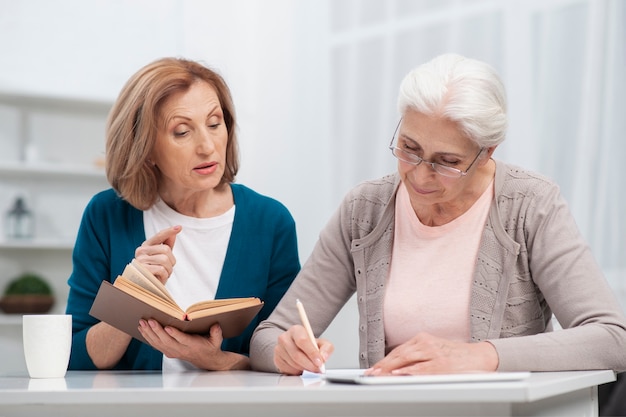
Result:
x=427 y=354
x=295 y=353
x=156 y=253
x=203 y=351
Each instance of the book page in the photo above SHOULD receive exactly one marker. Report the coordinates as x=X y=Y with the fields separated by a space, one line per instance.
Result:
x=140 y=275
x=148 y=297
x=207 y=304
x=211 y=307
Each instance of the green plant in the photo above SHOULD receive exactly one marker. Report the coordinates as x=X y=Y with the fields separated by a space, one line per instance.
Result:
x=28 y=283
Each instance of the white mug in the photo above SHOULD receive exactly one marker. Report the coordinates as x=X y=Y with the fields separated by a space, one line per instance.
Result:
x=47 y=343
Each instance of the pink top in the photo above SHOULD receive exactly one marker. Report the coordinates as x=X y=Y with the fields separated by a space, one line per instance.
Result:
x=430 y=278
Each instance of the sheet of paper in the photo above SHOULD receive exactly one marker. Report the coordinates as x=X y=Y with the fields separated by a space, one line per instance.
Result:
x=331 y=372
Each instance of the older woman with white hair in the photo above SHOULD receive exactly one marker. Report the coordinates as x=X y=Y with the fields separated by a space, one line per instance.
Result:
x=459 y=260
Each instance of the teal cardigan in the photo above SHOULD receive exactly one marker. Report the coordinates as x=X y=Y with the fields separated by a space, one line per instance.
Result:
x=261 y=261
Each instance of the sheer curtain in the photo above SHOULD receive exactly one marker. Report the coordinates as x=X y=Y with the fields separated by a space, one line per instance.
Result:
x=579 y=103
x=563 y=62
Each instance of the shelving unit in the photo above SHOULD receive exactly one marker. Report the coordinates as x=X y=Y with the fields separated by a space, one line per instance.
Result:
x=53 y=152
x=54 y=156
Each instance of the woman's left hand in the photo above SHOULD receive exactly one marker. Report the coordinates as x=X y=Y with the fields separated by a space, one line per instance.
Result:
x=202 y=351
x=427 y=354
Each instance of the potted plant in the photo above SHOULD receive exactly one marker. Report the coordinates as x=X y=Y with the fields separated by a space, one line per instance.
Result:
x=29 y=293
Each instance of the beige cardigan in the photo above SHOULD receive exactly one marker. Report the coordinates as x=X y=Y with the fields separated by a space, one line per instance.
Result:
x=532 y=263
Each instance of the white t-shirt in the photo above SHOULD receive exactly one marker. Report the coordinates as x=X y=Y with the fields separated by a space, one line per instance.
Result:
x=200 y=250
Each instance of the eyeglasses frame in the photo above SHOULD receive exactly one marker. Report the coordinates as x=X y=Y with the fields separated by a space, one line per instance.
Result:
x=433 y=165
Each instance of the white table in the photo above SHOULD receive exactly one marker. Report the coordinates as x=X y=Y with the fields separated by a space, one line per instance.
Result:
x=246 y=393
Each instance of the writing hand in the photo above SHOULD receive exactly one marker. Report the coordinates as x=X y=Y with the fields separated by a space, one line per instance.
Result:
x=156 y=253
x=295 y=353
x=427 y=354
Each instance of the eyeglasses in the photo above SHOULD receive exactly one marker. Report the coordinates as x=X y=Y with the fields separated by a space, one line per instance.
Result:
x=413 y=159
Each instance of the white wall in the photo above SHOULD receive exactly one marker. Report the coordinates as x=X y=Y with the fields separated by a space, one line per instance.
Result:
x=275 y=66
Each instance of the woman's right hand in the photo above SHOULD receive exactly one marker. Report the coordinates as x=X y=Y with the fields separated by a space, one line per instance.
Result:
x=156 y=253
x=295 y=353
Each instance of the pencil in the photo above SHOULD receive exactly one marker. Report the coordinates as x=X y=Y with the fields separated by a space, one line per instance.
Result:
x=307 y=326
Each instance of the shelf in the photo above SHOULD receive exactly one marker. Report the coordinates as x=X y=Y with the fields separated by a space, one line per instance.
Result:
x=29 y=102
x=10 y=319
x=37 y=243
x=51 y=157
x=43 y=169
x=16 y=319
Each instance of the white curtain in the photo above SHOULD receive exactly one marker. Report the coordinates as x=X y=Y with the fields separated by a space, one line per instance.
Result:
x=563 y=62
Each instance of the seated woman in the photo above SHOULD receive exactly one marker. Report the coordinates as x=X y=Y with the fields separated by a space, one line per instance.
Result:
x=171 y=159
x=458 y=260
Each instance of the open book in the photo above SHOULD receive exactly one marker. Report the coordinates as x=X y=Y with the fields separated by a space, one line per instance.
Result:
x=138 y=294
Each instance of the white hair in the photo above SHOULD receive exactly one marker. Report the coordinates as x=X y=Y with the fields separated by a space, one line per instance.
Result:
x=463 y=90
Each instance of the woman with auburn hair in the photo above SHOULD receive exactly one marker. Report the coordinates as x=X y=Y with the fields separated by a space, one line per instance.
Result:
x=174 y=206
